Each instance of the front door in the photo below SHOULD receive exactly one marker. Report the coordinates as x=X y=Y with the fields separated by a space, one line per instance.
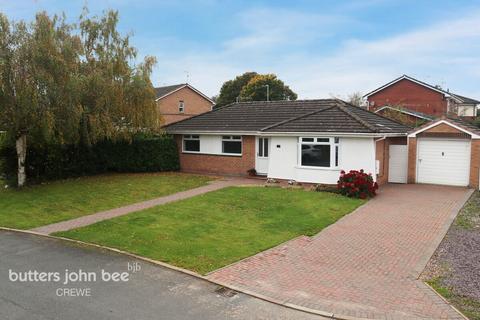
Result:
x=263 y=151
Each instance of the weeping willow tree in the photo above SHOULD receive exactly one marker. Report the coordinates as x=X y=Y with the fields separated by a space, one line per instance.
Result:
x=71 y=83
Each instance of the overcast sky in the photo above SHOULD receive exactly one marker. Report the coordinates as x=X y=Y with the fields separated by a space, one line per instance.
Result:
x=319 y=48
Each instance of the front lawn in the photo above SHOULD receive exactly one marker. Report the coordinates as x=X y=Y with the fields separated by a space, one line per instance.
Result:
x=209 y=231
x=39 y=205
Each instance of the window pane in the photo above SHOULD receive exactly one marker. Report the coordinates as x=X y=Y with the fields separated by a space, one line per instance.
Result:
x=226 y=137
x=337 y=140
x=237 y=137
x=232 y=147
x=323 y=140
x=265 y=147
x=191 y=145
x=307 y=139
x=260 y=147
x=336 y=156
x=316 y=155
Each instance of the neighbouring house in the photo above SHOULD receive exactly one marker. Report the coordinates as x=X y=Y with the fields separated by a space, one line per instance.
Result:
x=417 y=100
x=313 y=140
x=181 y=101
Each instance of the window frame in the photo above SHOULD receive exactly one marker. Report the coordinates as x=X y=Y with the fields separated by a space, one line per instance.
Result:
x=191 y=137
x=181 y=106
x=232 y=138
x=333 y=142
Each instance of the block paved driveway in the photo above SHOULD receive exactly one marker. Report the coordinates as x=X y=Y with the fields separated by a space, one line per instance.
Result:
x=364 y=266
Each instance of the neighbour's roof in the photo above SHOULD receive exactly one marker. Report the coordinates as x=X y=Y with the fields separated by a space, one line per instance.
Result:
x=407 y=111
x=457 y=97
x=161 y=92
x=466 y=100
x=302 y=116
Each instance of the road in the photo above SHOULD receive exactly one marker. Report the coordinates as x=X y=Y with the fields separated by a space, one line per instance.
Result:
x=153 y=292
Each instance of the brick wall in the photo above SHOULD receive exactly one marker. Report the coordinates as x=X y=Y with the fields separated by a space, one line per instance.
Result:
x=382 y=155
x=412 y=160
x=412 y=96
x=474 y=164
x=219 y=164
x=193 y=102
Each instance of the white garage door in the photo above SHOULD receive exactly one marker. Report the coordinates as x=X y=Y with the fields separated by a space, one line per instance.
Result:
x=398 y=163
x=443 y=161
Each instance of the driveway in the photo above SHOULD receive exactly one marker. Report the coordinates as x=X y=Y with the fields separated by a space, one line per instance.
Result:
x=153 y=292
x=367 y=264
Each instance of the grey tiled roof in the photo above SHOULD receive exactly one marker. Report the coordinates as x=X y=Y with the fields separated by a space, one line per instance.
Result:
x=325 y=115
x=161 y=91
x=467 y=100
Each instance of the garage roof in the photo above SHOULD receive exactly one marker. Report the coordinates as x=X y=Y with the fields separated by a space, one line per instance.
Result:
x=457 y=123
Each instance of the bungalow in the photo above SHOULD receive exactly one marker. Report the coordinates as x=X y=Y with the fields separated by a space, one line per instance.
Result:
x=306 y=141
x=313 y=140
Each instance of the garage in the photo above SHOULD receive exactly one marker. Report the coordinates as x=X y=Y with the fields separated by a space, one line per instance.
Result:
x=443 y=161
x=445 y=151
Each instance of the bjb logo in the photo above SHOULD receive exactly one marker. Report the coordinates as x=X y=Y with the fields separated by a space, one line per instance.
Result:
x=133 y=267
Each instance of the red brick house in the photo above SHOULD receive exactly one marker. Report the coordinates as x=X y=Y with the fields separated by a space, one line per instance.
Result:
x=181 y=101
x=418 y=100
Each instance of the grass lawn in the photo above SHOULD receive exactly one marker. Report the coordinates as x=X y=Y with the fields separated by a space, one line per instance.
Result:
x=209 y=231
x=468 y=306
x=39 y=205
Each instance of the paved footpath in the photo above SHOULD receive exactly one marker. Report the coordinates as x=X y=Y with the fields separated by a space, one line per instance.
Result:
x=109 y=214
x=364 y=266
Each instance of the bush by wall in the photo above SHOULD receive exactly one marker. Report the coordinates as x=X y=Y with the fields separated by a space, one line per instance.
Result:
x=52 y=162
x=357 y=184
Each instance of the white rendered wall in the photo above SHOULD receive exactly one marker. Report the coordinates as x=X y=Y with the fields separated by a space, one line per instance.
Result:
x=354 y=154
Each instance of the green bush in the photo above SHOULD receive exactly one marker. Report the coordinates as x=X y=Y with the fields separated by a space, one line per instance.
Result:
x=52 y=162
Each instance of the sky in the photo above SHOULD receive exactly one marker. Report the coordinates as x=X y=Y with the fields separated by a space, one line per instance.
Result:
x=319 y=48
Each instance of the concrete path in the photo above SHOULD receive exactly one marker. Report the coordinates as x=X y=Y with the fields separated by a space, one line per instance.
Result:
x=153 y=292
x=364 y=266
x=108 y=214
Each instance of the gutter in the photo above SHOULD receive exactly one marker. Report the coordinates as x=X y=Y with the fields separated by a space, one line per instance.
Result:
x=291 y=134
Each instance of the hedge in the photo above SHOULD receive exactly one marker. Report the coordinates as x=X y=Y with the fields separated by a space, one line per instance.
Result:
x=52 y=162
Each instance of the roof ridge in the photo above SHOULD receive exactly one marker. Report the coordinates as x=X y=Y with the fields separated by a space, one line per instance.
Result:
x=282 y=101
x=356 y=117
x=296 y=118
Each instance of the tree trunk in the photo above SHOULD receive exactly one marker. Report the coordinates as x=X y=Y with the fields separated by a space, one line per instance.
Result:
x=21 y=145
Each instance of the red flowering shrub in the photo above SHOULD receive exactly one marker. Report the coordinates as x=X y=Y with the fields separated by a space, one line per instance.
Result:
x=357 y=184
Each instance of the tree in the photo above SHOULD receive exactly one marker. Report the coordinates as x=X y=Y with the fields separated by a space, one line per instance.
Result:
x=355 y=99
x=58 y=85
x=256 y=89
x=230 y=90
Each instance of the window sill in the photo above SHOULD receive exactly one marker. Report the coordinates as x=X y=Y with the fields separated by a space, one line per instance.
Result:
x=318 y=168
x=214 y=154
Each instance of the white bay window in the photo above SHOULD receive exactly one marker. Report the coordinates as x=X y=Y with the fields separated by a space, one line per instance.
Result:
x=318 y=152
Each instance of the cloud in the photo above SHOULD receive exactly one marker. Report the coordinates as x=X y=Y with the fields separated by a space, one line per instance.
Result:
x=294 y=46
